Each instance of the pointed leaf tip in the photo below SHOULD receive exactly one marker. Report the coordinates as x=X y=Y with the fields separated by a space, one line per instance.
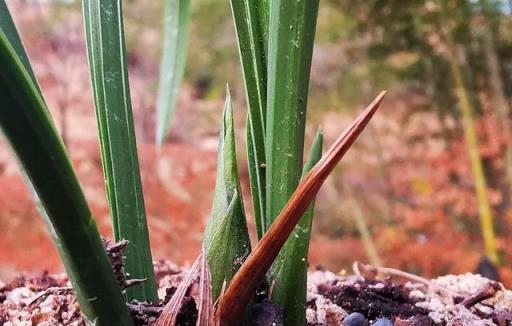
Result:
x=226 y=238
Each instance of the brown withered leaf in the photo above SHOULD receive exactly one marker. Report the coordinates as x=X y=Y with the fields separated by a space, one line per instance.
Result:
x=198 y=274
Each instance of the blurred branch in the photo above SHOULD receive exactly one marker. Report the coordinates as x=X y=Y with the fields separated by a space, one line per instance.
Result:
x=485 y=212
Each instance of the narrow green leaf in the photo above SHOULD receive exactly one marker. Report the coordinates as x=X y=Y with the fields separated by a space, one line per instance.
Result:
x=26 y=123
x=9 y=28
x=291 y=35
x=250 y=30
x=174 y=56
x=263 y=15
x=226 y=237
x=256 y=168
x=291 y=266
x=109 y=74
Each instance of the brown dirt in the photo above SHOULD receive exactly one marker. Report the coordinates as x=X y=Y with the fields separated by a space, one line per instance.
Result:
x=450 y=300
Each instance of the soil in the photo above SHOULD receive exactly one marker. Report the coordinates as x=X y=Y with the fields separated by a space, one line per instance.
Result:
x=450 y=300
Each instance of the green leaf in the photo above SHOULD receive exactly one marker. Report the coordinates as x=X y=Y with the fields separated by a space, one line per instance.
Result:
x=291 y=266
x=250 y=34
x=9 y=28
x=230 y=246
x=291 y=36
x=263 y=15
x=174 y=56
x=26 y=123
x=226 y=237
x=109 y=74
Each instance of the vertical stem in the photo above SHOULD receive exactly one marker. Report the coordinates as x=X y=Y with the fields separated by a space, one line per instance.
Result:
x=485 y=212
x=364 y=232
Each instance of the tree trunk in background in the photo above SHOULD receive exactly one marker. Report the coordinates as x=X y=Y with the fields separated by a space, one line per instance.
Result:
x=485 y=212
x=500 y=103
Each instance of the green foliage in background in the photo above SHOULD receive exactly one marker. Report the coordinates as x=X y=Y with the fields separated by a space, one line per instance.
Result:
x=176 y=20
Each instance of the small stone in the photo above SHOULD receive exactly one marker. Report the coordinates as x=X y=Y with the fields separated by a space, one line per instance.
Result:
x=382 y=322
x=355 y=319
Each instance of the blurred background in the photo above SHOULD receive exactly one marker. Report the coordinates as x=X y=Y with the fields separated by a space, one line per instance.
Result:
x=403 y=197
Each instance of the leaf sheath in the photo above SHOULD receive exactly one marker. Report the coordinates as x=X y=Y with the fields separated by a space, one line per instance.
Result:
x=291 y=266
x=226 y=237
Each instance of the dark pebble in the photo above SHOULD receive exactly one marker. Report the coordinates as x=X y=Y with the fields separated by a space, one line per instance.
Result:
x=355 y=319
x=382 y=322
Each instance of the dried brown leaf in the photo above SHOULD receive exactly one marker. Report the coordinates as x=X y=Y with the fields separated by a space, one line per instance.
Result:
x=200 y=272
x=172 y=308
x=205 y=304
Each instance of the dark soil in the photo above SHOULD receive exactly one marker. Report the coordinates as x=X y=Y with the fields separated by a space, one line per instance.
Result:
x=48 y=300
x=373 y=299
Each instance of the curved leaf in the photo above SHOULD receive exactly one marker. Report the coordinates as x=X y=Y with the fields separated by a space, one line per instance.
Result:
x=26 y=123
x=9 y=28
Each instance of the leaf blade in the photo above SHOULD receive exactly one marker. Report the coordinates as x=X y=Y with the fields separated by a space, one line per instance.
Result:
x=26 y=123
x=109 y=74
x=291 y=35
x=172 y=68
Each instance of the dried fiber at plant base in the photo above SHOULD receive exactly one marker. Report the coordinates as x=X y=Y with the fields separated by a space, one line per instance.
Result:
x=448 y=300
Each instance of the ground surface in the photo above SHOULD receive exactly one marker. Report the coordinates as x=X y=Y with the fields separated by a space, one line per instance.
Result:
x=467 y=299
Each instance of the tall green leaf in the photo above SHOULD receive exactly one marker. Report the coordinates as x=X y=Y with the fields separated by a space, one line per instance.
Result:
x=226 y=237
x=26 y=123
x=174 y=56
x=109 y=74
x=291 y=266
x=291 y=35
x=250 y=34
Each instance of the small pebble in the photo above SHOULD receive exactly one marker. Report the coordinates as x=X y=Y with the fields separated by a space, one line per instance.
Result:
x=382 y=322
x=355 y=319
